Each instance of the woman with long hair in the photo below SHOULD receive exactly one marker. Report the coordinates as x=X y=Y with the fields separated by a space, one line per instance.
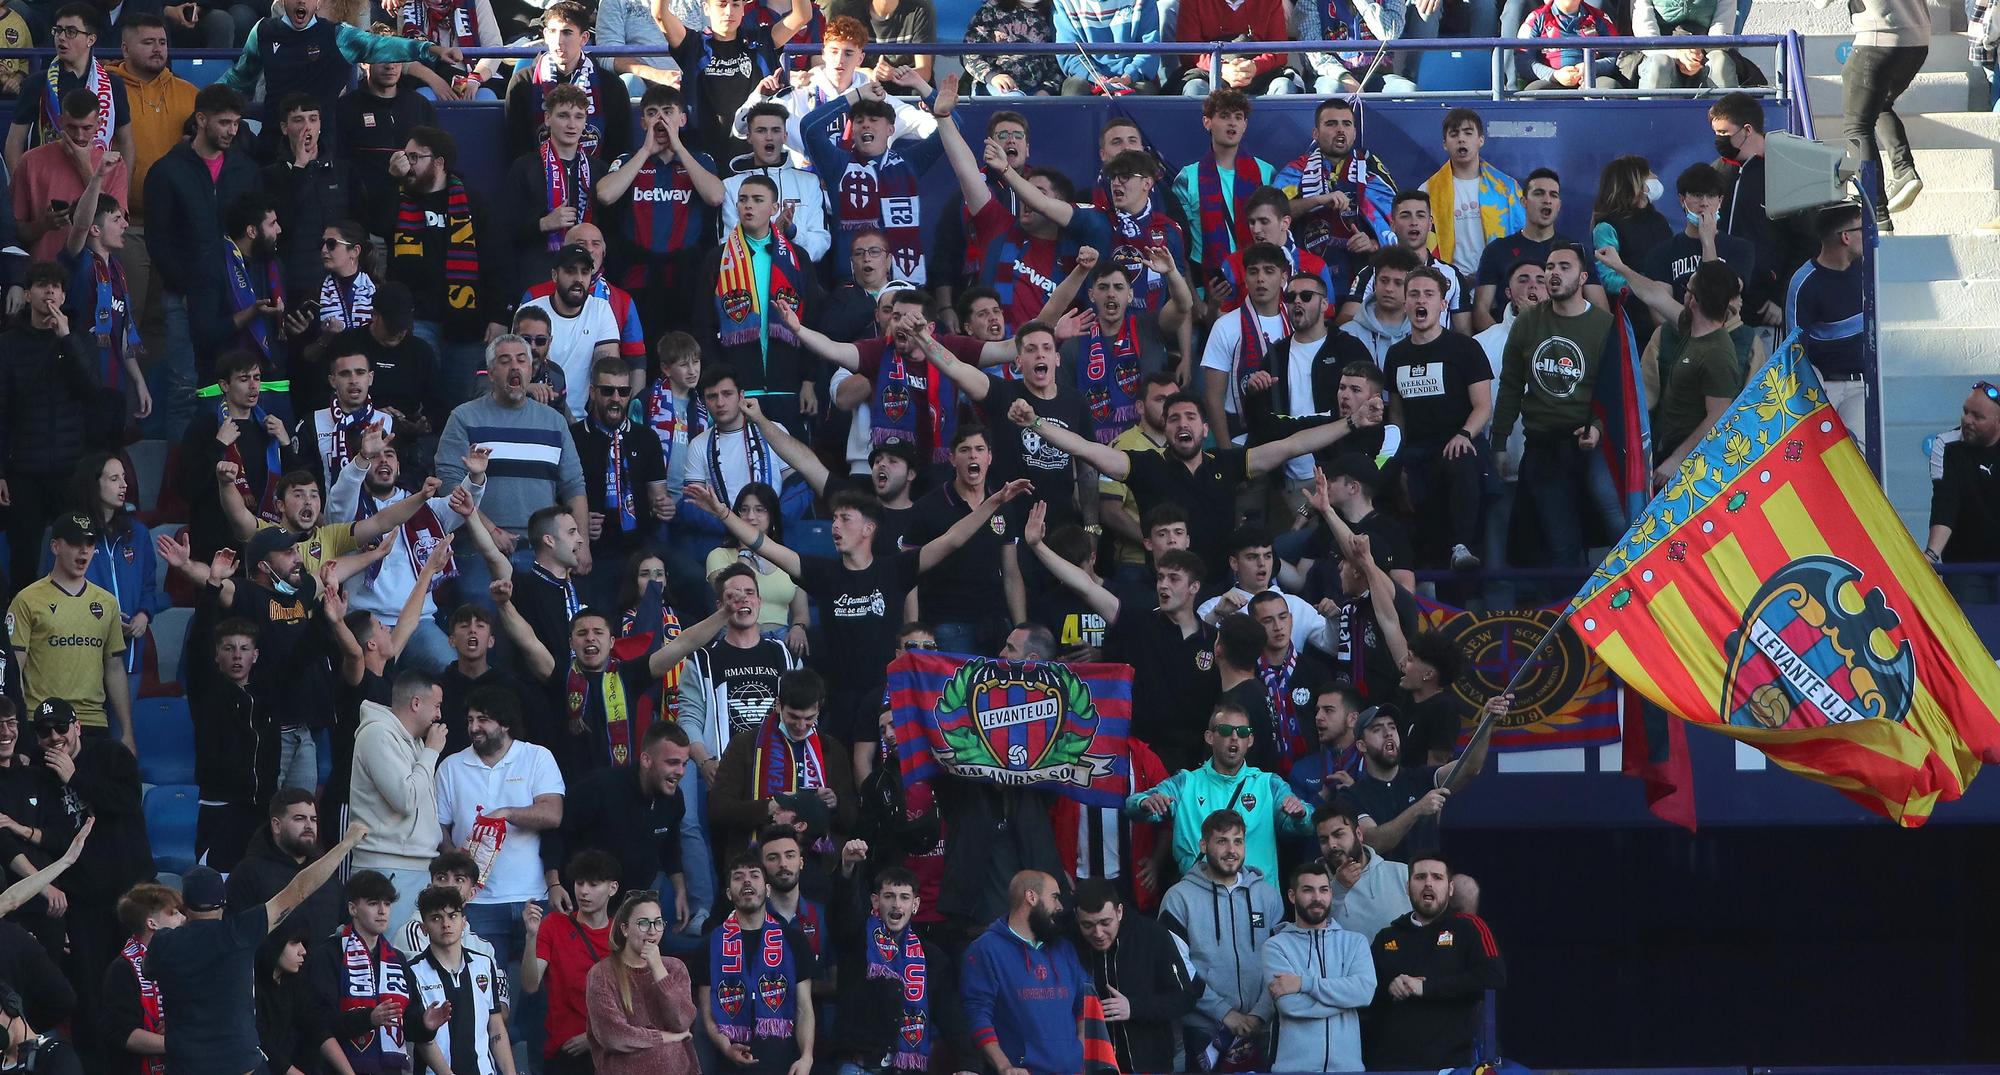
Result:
x=784 y=615
x=640 y=1003
x=643 y=568
x=102 y=488
x=1627 y=191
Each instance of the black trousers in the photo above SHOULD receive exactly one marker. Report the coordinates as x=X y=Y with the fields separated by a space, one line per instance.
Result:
x=221 y=832
x=1869 y=85
x=36 y=497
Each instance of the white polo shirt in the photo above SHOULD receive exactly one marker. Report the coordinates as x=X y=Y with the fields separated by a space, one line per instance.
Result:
x=467 y=788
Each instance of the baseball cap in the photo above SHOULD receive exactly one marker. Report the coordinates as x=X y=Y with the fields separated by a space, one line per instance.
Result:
x=895 y=446
x=52 y=713
x=202 y=889
x=808 y=808
x=267 y=541
x=74 y=528
x=1372 y=714
x=574 y=254
x=1355 y=466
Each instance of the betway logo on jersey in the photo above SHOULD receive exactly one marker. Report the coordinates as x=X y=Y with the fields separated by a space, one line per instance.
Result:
x=1023 y=272
x=661 y=194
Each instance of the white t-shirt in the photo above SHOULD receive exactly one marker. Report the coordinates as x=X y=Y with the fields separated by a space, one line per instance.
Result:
x=572 y=340
x=468 y=788
x=1298 y=374
x=1468 y=233
x=735 y=456
x=1225 y=351
x=860 y=431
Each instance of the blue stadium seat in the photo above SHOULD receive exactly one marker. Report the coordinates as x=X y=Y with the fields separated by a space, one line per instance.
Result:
x=165 y=734
x=1441 y=70
x=199 y=72
x=811 y=537
x=170 y=629
x=149 y=471
x=170 y=818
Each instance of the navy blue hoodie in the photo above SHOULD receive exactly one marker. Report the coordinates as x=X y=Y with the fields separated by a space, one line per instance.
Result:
x=1027 y=999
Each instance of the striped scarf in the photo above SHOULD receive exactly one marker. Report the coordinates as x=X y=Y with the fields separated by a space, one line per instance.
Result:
x=243 y=295
x=899 y=957
x=369 y=975
x=112 y=320
x=152 y=1017
x=783 y=766
x=265 y=506
x=1109 y=378
x=441 y=22
x=95 y=79
x=1250 y=353
x=584 y=77
x=567 y=184
x=1224 y=228
x=461 y=257
x=755 y=996
x=1289 y=730
x=742 y=308
x=351 y=300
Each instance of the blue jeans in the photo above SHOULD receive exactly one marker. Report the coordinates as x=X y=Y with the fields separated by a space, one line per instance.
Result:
x=1563 y=485
x=1500 y=592
x=298 y=762
x=977 y=638
x=427 y=647
x=408 y=883
x=172 y=376
x=458 y=363
x=697 y=858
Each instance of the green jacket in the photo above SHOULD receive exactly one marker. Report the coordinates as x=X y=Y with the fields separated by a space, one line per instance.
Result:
x=1252 y=792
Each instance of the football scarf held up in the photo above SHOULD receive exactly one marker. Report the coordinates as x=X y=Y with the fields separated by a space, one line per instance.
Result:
x=618 y=730
x=1224 y=226
x=369 y=976
x=266 y=506
x=753 y=996
x=441 y=22
x=152 y=1017
x=744 y=314
x=1109 y=378
x=899 y=957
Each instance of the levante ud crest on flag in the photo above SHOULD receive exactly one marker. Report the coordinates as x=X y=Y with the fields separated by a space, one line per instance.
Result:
x=1815 y=648
x=1016 y=723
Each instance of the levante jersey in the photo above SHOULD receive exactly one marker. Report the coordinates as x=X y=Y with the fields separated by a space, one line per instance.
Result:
x=1022 y=268
x=663 y=214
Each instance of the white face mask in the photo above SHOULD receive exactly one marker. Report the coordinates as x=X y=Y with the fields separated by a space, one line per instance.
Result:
x=1655 y=190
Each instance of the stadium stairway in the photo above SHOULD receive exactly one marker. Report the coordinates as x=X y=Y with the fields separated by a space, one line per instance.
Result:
x=1939 y=298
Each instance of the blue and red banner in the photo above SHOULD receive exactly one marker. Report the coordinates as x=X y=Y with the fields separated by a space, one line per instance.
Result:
x=1566 y=698
x=1050 y=727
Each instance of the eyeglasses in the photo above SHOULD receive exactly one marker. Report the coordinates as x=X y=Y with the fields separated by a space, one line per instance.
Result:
x=919 y=643
x=868 y=252
x=1992 y=390
x=1240 y=731
x=1302 y=296
x=332 y=244
x=535 y=341
x=413 y=158
x=619 y=391
x=649 y=923
x=67 y=32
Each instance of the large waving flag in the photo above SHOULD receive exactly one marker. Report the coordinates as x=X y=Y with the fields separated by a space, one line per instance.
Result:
x=1771 y=594
x=1051 y=727
x=1619 y=403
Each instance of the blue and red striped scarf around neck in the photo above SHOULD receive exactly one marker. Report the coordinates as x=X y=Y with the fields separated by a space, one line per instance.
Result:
x=1224 y=226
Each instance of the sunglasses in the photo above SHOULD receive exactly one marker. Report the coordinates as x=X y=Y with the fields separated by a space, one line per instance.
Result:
x=619 y=391
x=1240 y=731
x=335 y=244
x=1302 y=296
x=1992 y=390
x=535 y=341
x=918 y=643
x=44 y=730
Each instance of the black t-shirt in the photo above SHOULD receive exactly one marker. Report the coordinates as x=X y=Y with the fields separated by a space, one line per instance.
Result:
x=1067 y=615
x=1673 y=262
x=1207 y=493
x=1362 y=655
x=405 y=375
x=750 y=677
x=1019 y=452
x=964 y=587
x=860 y=611
x=1250 y=695
x=204 y=969
x=1174 y=684
x=1384 y=800
x=458 y=686
x=291 y=667
x=373 y=128
x=1388 y=544
x=547 y=604
x=1431 y=724
x=727 y=76
x=1434 y=381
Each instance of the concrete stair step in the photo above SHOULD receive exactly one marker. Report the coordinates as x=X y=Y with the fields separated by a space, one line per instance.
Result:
x=1778 y=16
x=1913 y=352
x=1949 y=212
x=1826 y=53
x=1963 y=303
x=1959 y=169
x=1924 y=404
x=1936 y=91
x=1923 y=258
x=1931 y=130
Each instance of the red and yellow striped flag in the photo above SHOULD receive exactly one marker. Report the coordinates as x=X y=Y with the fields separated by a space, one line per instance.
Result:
x=1771 y=594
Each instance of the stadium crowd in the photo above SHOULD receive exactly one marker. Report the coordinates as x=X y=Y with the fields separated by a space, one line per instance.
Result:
x=546 y=535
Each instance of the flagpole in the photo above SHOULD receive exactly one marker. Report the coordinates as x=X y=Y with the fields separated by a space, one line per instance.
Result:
x=1484 y=732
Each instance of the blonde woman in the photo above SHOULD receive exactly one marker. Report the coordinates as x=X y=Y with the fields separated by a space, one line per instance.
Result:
x=641 y=1008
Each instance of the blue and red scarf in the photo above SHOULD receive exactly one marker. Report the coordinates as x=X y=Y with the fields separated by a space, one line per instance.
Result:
x=900 y=404
x=584 y=77
x=370 y=974
x=1132 y=236
x=1290 y=731
x=870 y=195
x=1108 y=376
x=461 y=256
x=1250 y=353
x=111 y=318
x=899 y=957
x=567 y=183
x=742 y=311
x=810 y=922
x=664 y=417
x=243 y=295
x=753 y=996
x=266 y=505
x=1224 y=226
x=782 y=766
x=617 y=484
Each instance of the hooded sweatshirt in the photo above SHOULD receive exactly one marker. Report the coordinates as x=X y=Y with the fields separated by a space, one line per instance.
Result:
x=394 y=793
x=1025 y=998
x=1377 y=337
x=1379 y=898
x=1225 y=928
x=1319 y=1027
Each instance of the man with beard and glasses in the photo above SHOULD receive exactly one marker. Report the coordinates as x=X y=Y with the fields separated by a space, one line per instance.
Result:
x=1321 y=976
x=1225 y=911
x=186 y=192
x=787 y=754
x=1023 y=985
x=754 y=986
x=1140 y=974
x=284 y=847
x=886 y=1023
x=451 y=251
x=1433 y=967
x=1369 y=890
x=251 y=313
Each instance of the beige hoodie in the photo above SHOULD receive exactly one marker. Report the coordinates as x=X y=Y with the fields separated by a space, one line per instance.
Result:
x=394 y=792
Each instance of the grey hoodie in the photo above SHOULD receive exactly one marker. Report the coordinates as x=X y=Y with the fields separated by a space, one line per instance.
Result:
x=1223 y=929
x=1381 y=896
x=1318 y=1026
x=394 y=791
x=1373 y=334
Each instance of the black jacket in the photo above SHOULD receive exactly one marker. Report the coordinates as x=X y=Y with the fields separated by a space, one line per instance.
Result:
x=1458 y=960
x=208 y=527
x=118 y=855
x=523 y=200
x=264 y=871
x=608 y=811
x=25 y=965
x=1264 y=413
x=46 y=389
x=1145 y=965
x=309 y=199
x=991 y=833
x=184 y=210
x=644 y=464
x=423 y=267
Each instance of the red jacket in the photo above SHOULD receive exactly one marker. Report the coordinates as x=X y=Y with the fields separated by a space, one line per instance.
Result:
x=1213 y=20
x=1147 y=772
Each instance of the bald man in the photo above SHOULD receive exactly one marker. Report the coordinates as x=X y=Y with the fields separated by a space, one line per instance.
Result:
x=1024 y=986
x=631 y=335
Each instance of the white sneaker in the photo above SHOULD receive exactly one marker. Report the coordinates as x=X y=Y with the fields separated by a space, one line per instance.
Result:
x=1462 y=559
x=1903 y=194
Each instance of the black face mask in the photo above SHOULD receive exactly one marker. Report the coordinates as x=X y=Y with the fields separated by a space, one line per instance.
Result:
x=1724 y=147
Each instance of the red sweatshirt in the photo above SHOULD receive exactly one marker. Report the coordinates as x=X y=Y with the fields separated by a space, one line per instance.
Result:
x=1215 y=20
